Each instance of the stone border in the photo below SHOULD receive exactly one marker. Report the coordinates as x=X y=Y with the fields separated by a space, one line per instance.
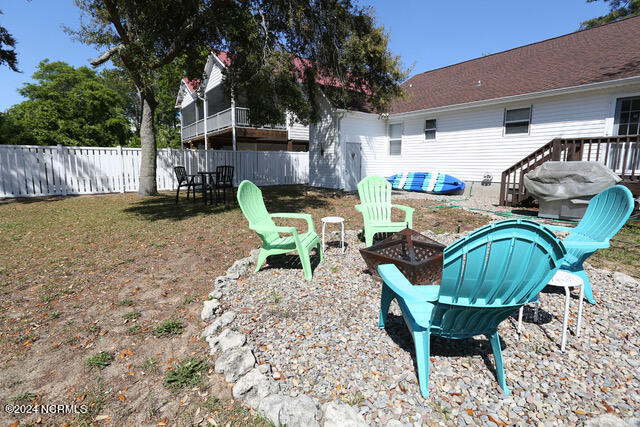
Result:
x=254 y=384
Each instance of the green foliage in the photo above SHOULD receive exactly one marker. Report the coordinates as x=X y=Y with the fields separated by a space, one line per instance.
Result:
x=7 y=49
x=68 y=106
x=99 y=360
x=188 y=373
x=618 y=10
x=168 y=327
x=282 y=53
x=25 y=397
x=166 y=115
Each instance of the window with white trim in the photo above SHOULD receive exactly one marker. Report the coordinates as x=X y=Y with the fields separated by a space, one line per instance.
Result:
x=430 y=129
x=627 y=115
x=517 y=121
x=395 y=139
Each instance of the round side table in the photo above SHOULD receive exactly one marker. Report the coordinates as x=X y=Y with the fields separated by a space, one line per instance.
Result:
x=333 y=220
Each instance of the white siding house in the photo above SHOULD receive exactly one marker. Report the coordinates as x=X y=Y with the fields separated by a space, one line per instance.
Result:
x=471 y=137
x=210 y=119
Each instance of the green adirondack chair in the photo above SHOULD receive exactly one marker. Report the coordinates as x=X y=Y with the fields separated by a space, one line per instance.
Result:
x=260 y=221
x=375 y=207
x=486 y=277
x=606 y=214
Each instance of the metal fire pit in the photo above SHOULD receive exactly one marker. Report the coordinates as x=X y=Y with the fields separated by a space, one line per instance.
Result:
x=416 y=256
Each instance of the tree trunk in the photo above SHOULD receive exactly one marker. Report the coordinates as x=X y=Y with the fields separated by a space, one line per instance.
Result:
x=147 y=184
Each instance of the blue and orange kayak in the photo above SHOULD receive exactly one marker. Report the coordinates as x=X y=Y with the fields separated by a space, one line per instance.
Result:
x=426 y=182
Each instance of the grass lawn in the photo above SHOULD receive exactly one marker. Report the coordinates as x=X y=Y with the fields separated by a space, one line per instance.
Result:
x=624 y=253
x=100 y=299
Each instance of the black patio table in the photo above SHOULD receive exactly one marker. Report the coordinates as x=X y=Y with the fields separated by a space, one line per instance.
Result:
x=210 y=184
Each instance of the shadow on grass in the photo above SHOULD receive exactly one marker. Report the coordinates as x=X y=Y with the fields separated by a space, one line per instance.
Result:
x=164 y=207
x=39 y=199
x=291 y=198
x=295 y=198
x=440 y=346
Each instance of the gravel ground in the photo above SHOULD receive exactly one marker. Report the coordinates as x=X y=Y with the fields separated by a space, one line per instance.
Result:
x=321 y=338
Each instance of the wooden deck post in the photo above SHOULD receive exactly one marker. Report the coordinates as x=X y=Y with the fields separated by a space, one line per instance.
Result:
x=556 y=149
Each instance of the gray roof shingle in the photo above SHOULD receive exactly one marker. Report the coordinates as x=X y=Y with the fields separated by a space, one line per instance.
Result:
x=600 y=54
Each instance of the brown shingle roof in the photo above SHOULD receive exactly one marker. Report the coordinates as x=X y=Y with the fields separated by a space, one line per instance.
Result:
x=604 y=53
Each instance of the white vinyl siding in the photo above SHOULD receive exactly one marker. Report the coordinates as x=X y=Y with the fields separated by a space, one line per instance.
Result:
x=216 y=76
x=471 y=142
x=298 y=131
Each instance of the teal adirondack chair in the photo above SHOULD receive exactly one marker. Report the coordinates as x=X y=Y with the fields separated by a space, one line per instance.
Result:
x=260 y=221
x=606 y=214
x=486 y=277
x=375 y=207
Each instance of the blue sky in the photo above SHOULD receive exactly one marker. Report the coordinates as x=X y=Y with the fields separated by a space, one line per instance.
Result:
x=427 y=34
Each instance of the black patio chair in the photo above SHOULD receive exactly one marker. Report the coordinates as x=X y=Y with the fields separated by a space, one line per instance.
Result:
x=185 y=180
x=224 y=180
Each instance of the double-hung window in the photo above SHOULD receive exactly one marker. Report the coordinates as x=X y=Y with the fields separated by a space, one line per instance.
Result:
x=430 y=129
x=517 y=121
x=627 y=115
x=395 y=139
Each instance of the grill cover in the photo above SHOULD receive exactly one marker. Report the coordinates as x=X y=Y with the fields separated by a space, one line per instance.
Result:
x=569 y=180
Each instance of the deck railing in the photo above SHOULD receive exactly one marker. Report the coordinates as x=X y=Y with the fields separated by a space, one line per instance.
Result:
x=620 y=153
x=222 y=120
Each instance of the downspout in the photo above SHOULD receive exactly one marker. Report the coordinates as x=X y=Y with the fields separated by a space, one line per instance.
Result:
x=343 y=149
x=181 y=130
x=233 y=121
x=206 y=114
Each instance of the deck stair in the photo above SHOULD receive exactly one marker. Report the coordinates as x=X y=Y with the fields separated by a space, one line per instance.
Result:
x=620 y=153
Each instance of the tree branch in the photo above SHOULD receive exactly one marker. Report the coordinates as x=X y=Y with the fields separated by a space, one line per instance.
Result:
x=115 y=20
x=107 y=55
x=178 y=42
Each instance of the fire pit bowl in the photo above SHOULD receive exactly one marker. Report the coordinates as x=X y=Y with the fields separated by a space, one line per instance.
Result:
x=416 y=256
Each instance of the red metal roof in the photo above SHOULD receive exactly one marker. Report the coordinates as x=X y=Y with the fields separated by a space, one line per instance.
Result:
x=600 y=54
x=192 y=85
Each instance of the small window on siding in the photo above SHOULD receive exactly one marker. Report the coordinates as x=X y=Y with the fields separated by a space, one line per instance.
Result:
x=395 y=139
x=628 y=115
x=430 y=129
x=517 y=121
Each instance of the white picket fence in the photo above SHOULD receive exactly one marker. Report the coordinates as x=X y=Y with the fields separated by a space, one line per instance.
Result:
x=31 y=170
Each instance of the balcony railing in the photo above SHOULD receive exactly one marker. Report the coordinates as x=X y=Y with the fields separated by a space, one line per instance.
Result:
x=222 y=120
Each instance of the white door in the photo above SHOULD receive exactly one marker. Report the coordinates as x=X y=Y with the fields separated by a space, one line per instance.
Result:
x=352 y=166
